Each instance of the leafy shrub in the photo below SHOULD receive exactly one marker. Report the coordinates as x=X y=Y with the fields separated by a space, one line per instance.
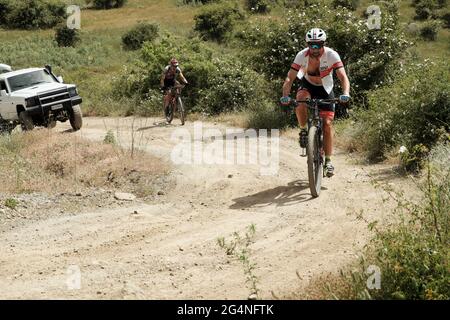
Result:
x=413 y=111
x=66 y=37
x=32 y=14
x=110 y=138
x=413 y=160
x=429 y=30
x=258 y=6
x=107 y=4
x=11 y=203
x=446 y=19
x=349 y=4
x=231 y=87
x=4 y=8
x=424 y=9
x=135 y=38
x=216 y=21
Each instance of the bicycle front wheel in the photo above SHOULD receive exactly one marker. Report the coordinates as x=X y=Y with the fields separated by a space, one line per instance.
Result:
x=181 y=110
x=315 y=169
x=169 y=112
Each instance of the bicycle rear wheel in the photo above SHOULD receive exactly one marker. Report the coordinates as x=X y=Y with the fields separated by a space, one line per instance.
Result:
x=181 y=110
x=315 y=169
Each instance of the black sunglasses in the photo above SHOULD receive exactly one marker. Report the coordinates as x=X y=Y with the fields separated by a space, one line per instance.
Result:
x=315 y=45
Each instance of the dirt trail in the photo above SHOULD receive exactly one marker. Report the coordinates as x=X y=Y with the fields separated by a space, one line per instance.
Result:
x=168 y=249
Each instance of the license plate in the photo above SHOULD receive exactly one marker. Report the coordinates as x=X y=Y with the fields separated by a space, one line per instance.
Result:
x=57 y=106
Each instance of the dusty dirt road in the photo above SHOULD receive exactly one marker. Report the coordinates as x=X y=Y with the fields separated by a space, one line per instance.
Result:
x=169 y=250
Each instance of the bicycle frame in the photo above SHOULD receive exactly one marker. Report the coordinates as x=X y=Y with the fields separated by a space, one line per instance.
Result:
x=314 y=147
x=174 y=93
x=314 y=118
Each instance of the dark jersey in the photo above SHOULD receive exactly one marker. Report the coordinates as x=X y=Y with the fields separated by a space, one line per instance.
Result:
x=171 y=74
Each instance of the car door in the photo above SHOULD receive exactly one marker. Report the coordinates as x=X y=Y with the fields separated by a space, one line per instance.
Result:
x=7 y=106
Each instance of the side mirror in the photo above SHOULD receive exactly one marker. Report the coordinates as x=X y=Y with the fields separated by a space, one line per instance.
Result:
x=3 y=93
x=60 y=79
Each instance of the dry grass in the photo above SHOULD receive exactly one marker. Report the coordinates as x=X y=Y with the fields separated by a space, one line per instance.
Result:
x=52 y=162
x=237 y=119
x=327 y=286
x=165 y=13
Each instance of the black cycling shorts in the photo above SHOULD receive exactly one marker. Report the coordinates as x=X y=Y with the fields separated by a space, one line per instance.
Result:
x=169 y=83
x=317 y=92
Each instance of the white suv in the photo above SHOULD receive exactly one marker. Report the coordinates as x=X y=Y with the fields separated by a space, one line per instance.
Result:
x=36 y=97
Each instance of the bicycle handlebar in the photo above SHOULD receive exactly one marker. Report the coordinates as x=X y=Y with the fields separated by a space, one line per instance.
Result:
x=312 y=102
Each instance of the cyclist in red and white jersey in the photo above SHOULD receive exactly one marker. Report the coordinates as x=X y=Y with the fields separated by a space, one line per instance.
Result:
x=314 y=67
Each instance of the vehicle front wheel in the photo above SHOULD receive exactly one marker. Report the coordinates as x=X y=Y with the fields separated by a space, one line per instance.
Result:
x=26 y=121
x=76 y=118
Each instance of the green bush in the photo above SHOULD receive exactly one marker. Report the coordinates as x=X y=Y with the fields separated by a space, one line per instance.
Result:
x=135 y=38
x=110 y=138
x=349 y=4
x=412 y=111
x=11 y=203
x=66 y=37
x=446 y=19
x=429 y=30
x=258 y=6
x=216 y=21
x=32 y=14
x=4 y=8
x=106 y=4
x=231 y=87
x=413 y=160
x=424 y=9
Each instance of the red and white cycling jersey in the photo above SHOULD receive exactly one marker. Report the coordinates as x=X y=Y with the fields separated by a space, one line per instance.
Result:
x=329 y=61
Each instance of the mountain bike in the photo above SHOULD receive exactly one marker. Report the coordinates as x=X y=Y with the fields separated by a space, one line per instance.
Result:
x=314 y=148
x=175 y=104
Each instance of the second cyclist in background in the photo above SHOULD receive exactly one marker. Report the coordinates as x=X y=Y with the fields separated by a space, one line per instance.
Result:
x=169 y=78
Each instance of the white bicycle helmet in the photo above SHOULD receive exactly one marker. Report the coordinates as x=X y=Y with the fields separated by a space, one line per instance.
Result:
x=315 y=35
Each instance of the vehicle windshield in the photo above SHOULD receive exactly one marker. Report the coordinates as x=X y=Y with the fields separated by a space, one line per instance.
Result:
x=29 y=79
